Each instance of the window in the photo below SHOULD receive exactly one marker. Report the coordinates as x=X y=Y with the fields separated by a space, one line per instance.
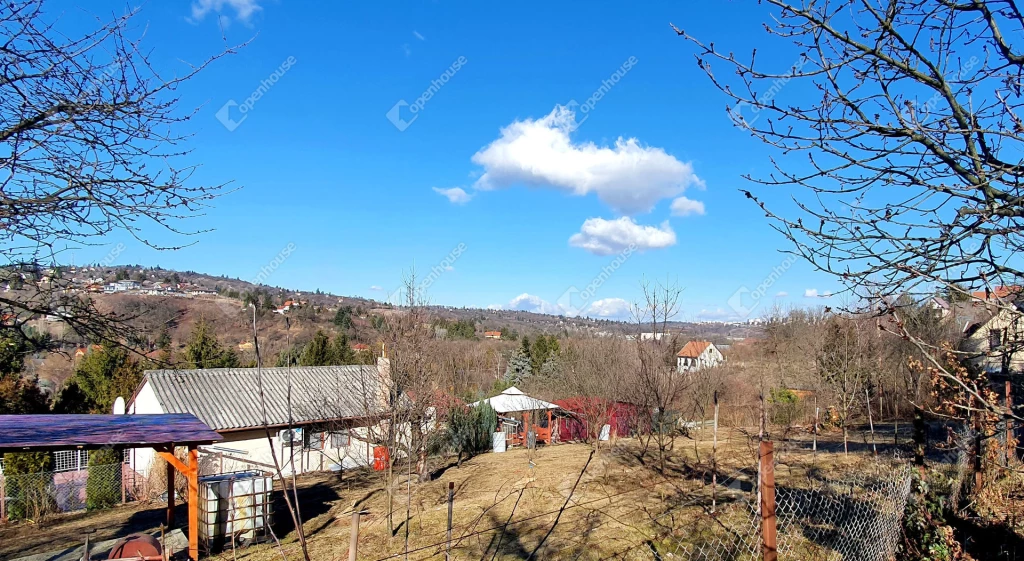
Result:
x=995 y=339
x=340 y=439
x=70 y=460
x=312 y=440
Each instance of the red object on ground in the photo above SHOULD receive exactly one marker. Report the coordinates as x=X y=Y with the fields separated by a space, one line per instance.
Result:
x=381 y=458
x=134 y=546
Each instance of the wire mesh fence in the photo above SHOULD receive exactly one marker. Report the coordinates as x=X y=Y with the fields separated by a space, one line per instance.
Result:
x=35 y=496
x=854 y=517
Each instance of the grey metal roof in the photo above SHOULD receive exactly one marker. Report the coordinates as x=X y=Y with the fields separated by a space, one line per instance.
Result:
x=229 y=398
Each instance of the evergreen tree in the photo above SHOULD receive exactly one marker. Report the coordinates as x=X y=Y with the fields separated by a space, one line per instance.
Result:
x=203 y=350
x=549 y=369
x=341 y=352
x=544 y=348
x=318 y=351
x=343 y=318
x=103 y=375
x=35 y=489
x=289 y=357
x=103 y=486
x=519 y=367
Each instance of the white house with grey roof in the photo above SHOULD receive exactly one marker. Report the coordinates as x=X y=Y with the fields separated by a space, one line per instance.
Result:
x=318 y=417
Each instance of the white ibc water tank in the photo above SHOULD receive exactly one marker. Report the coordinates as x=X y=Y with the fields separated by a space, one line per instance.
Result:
x=235 y=506
x=498 y=441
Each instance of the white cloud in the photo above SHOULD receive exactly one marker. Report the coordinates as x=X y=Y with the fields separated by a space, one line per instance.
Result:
x=455 y=195
x=782 y=294
x=418 y=35
x=813 y=293
x=609 y=308
x=244 y=9
x=628 y=177
x=495 y=307
x=685 y=207
x=376 y=288
x=530 y=303
x=605 y=237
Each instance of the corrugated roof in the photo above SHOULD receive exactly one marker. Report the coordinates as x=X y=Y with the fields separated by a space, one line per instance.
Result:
x=61 y=432
x=693 y=349
x=229 y=398
x=513 y=399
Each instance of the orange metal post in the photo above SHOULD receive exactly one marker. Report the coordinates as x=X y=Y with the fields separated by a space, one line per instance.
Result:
x=769 y=535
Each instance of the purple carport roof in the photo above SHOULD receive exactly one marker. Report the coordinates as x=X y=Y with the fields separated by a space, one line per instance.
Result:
x=62 y=432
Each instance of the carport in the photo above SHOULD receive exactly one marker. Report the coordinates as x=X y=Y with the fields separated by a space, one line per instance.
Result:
x=50 y=433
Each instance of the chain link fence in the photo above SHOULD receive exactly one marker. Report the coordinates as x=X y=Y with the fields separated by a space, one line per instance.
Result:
x=855 y=517
x=35 y=496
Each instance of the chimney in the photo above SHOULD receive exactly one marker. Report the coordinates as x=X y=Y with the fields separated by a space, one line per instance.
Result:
x=385 y=382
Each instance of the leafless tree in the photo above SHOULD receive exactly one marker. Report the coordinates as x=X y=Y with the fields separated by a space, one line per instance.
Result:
x=600 y=372
x=91 y=146
x=844 y=365
x=900 y=134
x=659 y=386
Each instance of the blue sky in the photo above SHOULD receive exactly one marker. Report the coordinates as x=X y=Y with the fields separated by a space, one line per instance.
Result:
x=498 y=161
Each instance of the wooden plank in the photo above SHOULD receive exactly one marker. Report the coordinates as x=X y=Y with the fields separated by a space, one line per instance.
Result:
x=174 y=461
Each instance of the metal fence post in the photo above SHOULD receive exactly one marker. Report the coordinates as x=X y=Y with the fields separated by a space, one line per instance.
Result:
x=1009 y=424
x=817 y=410
x=354 y=541
x=448 y=538
x=769 y=535
x=714 y=459
x=871 y=423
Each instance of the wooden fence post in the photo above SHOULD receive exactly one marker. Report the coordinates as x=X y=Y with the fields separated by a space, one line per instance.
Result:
x=353 y=543
x=448 y=537
x=3 y=498
x=769 y=535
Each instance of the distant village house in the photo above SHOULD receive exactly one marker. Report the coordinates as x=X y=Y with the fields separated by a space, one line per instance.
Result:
x=696 y=355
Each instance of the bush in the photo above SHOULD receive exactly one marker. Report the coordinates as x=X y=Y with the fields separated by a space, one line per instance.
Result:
x=785 y=406
x=103 y=488
x=470 y=430
x=29 y=483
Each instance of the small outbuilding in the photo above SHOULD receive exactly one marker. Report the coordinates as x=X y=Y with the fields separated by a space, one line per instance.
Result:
x=162 y=433
x=585 y=419
x=520 y=414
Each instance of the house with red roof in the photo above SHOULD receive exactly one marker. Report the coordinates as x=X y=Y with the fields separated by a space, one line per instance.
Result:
x=696 y=355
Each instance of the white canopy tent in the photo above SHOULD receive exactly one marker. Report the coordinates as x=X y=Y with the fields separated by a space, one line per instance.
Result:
x=513 y=400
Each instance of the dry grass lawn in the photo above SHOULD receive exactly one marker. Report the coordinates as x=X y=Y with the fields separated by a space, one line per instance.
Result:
x=505 y=504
